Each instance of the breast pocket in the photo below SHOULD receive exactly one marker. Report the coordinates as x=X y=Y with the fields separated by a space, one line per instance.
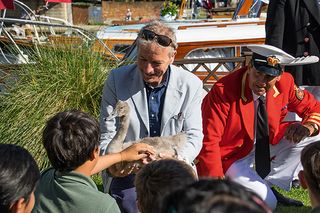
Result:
x=176 y=123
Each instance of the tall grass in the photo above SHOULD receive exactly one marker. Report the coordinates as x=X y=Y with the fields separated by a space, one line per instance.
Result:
x=60 y=79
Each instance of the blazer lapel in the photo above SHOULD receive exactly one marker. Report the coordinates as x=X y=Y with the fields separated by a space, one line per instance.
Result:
x=274 y=102
x=247 y=107
x=139 y=98
x=172 y=98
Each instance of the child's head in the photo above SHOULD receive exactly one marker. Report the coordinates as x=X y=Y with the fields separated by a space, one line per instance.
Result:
x=159 y=178
x=310 y=160
x=19 y=174
x=212 y=195
x=70 y=139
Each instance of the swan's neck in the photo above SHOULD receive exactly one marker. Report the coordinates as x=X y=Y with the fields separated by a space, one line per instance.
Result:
x=117 y=141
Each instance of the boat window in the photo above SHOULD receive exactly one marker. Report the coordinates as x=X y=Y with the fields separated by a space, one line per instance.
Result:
x=213 y=52
x=248 y=8
x=121 y=48
x=131 y=54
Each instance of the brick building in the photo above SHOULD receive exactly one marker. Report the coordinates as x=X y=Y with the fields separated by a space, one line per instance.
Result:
x=100 y=12
x=113 y=10
x=57 y=10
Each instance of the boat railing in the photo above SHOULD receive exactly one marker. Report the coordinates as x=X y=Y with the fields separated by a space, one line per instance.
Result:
x=81 y=34
x=210 y=76
x=47 y=23
x=32 y=29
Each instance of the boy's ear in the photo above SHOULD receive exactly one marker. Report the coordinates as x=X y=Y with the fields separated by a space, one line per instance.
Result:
x=18 y=206
x=95 y=153
x=302 y=180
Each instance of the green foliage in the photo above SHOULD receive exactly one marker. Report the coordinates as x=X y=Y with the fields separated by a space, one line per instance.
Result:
x=98 y=181
x=61 y=79
x=169 y=8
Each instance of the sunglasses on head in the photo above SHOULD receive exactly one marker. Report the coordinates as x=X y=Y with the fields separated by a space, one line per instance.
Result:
x=161 y=39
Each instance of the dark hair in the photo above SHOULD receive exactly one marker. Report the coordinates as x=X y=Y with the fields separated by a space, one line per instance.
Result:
x=70 y=138
x=157 y=179
x=209 y=195
x=19 y=175
x=310 y=160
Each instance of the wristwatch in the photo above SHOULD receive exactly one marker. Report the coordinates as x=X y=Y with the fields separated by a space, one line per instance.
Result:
x=315 y=127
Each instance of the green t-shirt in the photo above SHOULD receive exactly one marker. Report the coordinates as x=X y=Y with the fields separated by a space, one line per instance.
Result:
x=316 y=210
x=70 y=192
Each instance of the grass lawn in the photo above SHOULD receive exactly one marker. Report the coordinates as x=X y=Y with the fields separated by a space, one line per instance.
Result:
x=299 y=194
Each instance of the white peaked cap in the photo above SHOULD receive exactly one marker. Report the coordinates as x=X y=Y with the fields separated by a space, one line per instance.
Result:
x=284 y=58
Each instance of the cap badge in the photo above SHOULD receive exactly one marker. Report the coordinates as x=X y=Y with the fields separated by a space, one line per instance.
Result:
x=273 y=61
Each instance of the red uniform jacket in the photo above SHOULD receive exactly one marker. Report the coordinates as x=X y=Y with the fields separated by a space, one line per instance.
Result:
x=228 y=118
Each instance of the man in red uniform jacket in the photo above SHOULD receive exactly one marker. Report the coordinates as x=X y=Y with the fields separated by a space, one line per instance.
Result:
x=229 y=123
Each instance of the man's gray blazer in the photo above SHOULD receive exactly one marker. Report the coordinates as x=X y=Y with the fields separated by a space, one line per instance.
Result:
x=181 y=110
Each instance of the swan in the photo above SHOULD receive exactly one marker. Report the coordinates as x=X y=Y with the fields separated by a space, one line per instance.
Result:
x=168 y=145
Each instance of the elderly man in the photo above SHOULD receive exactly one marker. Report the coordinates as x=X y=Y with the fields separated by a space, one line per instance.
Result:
x=164 y=100
x=245 y=137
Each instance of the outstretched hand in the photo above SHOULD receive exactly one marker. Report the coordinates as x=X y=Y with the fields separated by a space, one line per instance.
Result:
x=136 y=152
x=298 y=131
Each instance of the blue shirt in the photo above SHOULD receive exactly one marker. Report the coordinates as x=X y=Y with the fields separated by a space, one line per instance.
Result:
x=155 y=96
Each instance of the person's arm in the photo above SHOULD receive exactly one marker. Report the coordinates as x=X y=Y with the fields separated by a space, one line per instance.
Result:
x=215 y=109
x=308 y=108
x=135 y=152
x=275 y=23
x=298 y=131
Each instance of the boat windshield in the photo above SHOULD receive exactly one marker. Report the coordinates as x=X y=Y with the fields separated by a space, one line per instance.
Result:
x=248 y=8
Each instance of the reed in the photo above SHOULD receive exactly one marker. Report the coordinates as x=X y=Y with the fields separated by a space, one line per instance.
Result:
x=60 y=79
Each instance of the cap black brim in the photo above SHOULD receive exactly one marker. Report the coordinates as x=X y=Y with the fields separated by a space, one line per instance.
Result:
x=268 y=70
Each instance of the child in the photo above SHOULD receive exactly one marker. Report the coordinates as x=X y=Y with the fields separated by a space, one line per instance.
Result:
x=19 y=175
x=71 y=139
x=157 y=179
x=310 y=175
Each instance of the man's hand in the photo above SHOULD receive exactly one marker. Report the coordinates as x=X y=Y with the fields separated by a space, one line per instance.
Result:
x=297 y=131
